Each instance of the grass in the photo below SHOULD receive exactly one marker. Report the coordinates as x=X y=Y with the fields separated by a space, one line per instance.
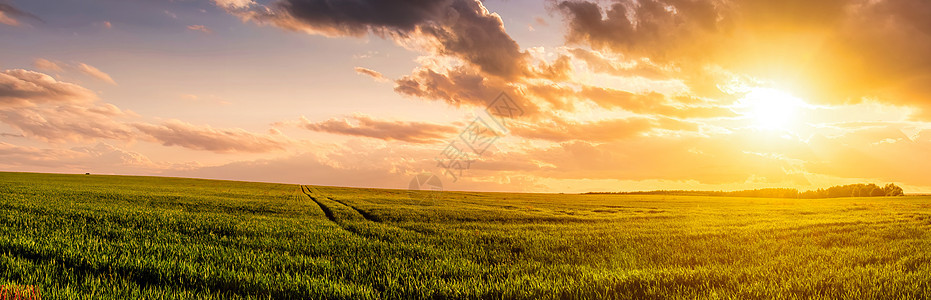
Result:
x=78 y=236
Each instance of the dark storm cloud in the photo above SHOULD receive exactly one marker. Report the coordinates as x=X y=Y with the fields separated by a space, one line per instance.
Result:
x=458 y=28
x=642 y=27
x=361 y=16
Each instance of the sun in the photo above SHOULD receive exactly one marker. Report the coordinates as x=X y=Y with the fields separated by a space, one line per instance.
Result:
x=770 y=108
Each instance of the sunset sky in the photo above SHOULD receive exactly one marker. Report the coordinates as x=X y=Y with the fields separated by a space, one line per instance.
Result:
x=616 y=95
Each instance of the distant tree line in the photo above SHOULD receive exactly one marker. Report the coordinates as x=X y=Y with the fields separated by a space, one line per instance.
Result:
x=850 y=190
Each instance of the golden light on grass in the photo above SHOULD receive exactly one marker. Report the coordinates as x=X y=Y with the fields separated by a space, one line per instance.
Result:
x=770 y=109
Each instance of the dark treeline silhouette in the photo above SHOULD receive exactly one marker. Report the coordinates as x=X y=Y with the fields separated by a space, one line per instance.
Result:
x=850 y=190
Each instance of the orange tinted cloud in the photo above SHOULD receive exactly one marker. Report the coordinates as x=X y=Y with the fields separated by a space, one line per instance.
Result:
x=704 y=160
x=28 y=88
x=558 y=130
x=46 y=109
x=99 y=158
x=55 y=111
x=883 y=153
x=650 y=104
x=457 y=86
x=47 y=65
x=178 y=133
x=59 y=67
x=69 y=122
x=361 y=125
x=371 y=73
x=835 y=51
x=601 y=64
x=94 y=72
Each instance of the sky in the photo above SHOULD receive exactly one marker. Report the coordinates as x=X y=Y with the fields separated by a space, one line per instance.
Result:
x=495 y=95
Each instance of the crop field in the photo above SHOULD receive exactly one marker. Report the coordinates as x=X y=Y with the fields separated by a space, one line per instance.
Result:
x=94 y=236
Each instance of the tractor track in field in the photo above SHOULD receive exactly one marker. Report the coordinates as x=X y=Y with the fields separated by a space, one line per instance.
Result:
x=326 y=210
x=329 y=212
x=316 y=196
x=363 y=213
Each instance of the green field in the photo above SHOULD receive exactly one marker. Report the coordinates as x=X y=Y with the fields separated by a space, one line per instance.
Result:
x=79 y=236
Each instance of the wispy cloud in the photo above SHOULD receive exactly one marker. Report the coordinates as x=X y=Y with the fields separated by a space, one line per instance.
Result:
x=10 y=15
x=60 y=67
x=47 y=65
x=96 y=73
x=371 y=73
x=200 y=28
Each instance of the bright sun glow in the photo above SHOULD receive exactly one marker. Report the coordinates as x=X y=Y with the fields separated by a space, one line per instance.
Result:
x=770 y=108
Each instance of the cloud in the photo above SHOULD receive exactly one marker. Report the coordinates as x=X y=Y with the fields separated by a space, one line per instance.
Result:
x=178 y=133
x=47 y=65
x=367 y=169
x=458 y=28
x=469 y=58
x=22 y=155
x=100 y=158
x=601 y=64
x=558 y=130
x=650 y=104
x=109 y=155
x=200 y=28
x=7 y=20
x=10 y=15
x=54 y=111
x=69 y=122
x=20 y=88
x=365 y=126
x=94 y=72
x=458 y=86
x=356 y=163
x=49 y=110
x=372 y=73
x=830 y=52
x=234 y=4
x=679 y=158
x=642 y=28
x=60 y=67
x=543 y=95
x=873 y=152
x=206 y=99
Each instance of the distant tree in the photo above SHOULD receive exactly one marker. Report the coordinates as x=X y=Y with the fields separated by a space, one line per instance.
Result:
x=850 y=190
x=892 y=190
